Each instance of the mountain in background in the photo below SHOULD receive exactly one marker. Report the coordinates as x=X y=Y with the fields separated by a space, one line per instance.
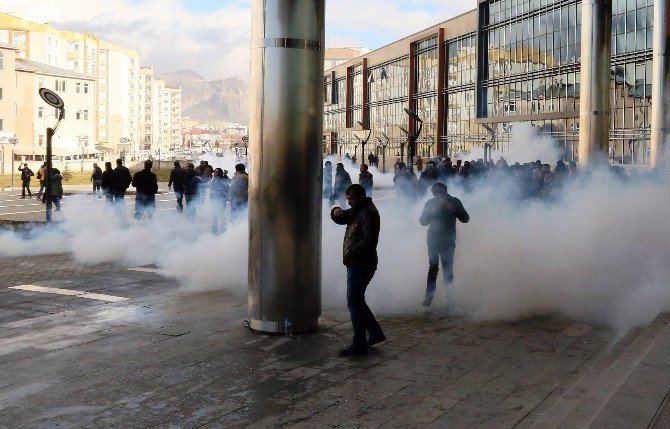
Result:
x=220 y=100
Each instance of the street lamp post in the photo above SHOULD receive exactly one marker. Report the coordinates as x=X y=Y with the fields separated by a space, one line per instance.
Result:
x=53 y=100
x=383 y=144
x=364 y=141
x=411 y=137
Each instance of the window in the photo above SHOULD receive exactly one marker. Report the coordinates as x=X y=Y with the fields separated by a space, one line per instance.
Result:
x=40 y=140
x=85 y=88
x=40 y=83
x=40 y=112
x=77 y=87
x=2 y=61
x=1 y=97
x=86 y=115
x=78 y=115
x=1 y=127
x=60 y=85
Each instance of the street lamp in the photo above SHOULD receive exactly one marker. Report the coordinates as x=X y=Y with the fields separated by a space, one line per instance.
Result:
x=53 y=100
x=383 y=144
x=364 y=141
x=411 y=137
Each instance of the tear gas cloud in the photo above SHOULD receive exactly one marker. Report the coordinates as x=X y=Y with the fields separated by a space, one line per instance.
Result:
x=598 y=253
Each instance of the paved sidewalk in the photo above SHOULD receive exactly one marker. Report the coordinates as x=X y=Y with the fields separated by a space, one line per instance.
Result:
x=166 y=357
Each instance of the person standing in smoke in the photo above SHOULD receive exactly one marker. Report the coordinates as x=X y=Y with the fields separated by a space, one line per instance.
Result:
x=440 y=214
x=219 y=193
x=239 y=191
x=26 y=174
x=176 y=182
x=56 y=187
x=328 y=180
x=122 y=180
x=365 y=179
x=342 y=183
x=107 y=183
x=360 y=258
x=96 y=179
x=41 y=176
x=146 y=187
x=191 y=182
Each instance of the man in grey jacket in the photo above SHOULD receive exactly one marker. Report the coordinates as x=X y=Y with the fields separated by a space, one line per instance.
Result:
x=440 y=214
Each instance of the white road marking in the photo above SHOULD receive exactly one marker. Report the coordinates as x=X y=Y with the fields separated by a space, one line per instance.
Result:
x=70 y=292
x=146 y=270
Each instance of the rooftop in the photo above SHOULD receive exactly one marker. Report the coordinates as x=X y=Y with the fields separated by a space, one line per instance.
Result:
x=35 y=67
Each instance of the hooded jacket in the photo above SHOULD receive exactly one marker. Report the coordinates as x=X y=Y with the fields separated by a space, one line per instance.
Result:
x=362 y=234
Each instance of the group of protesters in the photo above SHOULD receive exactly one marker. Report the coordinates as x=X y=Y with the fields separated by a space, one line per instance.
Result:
x=532 y=179
x=190 y=187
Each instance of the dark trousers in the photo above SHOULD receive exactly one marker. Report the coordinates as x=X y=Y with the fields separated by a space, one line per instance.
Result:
x=190 y=205
x=25 y=185
x=96 y=185
x=144 y=204
x=41 y=191
x=440 y=249
x=362 y=319
x=180 y=200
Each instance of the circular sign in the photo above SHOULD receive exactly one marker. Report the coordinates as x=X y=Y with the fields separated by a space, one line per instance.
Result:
x=51 y=98
x=13 y=140
x=123 y=140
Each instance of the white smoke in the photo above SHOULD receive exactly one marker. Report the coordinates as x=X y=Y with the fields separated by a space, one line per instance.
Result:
x=598 y=253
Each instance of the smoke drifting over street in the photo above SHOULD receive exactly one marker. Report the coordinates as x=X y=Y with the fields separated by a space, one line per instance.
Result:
x=598 y=252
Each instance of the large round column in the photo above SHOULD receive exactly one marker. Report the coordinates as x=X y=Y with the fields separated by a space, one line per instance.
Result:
x=595 y=92
x=286 y=118
x=660 y=97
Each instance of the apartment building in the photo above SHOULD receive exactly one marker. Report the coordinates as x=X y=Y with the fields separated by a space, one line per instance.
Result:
x=76 y=135
x=8 y=92
x=119 y=113
x=172 y=118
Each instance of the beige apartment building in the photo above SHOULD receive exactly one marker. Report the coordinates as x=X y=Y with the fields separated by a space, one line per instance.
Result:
x=119 y=112
x=76 y=135
x=8 y=94
x=172 y=118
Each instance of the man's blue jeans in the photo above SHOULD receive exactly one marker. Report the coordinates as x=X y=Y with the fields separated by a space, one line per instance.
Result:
x=180 y=200
x=362 y=319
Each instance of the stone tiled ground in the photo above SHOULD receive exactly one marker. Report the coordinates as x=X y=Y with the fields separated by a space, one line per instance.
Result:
x=169 y=358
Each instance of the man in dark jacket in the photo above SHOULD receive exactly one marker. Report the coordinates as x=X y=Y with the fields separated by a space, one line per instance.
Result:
x=342 y=183
x=107 y=183
x=440 y=214
x=191 y=184
x=122 y=180
x=96 y=178
x=328 y=180
x=360 y=258
x=365 y=180
x=26 y=174
x=176 y=182
x=146 y=187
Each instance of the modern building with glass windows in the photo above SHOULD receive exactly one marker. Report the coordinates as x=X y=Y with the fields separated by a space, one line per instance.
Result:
x=473 y=78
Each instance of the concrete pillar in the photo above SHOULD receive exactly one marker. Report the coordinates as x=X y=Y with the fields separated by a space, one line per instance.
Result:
x=594 y=95
x=287 y=56
x=660 y=97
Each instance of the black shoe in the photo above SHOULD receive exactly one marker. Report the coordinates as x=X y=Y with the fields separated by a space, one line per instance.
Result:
x=427 y=301
x=376 y=339
x=353 y=351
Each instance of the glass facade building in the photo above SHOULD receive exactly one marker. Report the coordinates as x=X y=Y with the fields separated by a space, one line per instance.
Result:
x=473 y=78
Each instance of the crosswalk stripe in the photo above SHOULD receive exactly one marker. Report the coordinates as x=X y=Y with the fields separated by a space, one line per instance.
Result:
x=70 y=292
